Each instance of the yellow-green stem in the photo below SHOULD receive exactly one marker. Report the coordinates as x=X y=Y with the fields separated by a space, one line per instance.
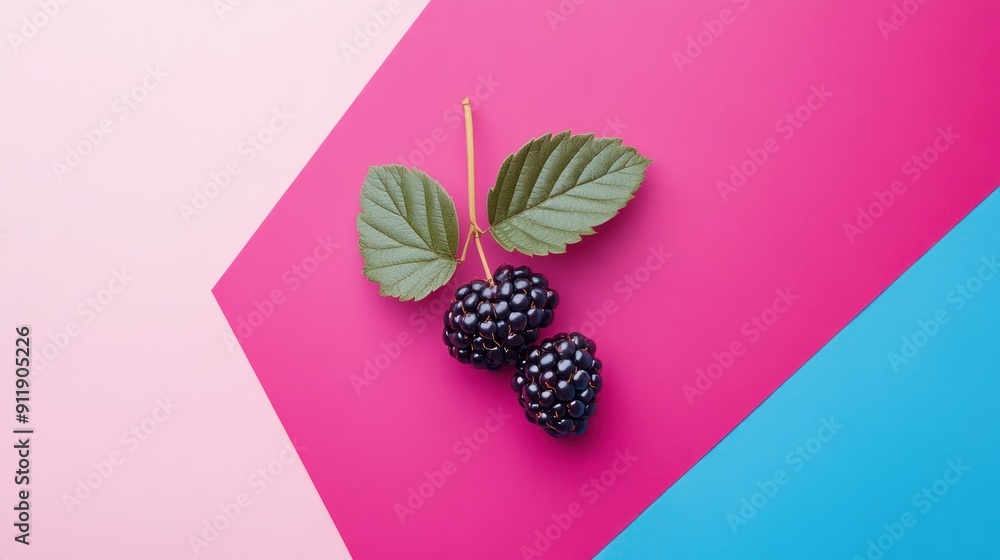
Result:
x=474 y=230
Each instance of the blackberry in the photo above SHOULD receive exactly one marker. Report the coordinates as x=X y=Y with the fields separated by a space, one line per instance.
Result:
x=558 y=382
x=490 y=323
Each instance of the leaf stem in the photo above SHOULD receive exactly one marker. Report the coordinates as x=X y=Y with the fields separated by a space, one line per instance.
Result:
x=465 y=248
x=470 y=153
x=474 y=229
x=482 y=257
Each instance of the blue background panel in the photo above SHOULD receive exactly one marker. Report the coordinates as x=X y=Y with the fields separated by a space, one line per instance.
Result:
x=886 y=444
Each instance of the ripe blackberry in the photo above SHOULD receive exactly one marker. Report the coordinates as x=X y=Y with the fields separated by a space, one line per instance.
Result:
x=490 y=323
x=558 y=382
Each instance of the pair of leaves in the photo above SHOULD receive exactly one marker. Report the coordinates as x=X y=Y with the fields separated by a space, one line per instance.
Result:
x=549 y=194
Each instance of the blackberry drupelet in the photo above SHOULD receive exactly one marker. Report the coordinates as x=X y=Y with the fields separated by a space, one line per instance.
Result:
x=558 y=382
x=490 y=324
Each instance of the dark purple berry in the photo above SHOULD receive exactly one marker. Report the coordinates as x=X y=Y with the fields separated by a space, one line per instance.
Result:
x=558 y=381
x=490 y=324
x=469 y=323
x=520 y=302
x=518 y=320
x=547 y=360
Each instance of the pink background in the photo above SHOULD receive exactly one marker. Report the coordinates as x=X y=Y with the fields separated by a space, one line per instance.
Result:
x=782 y=230
x=164 y=336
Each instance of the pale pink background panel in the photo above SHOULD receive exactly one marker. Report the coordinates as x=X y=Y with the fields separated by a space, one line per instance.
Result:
x=667 y=286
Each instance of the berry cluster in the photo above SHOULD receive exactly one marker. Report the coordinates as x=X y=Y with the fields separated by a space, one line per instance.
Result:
x=558 y=382
x=490 y=323
x=494 y=323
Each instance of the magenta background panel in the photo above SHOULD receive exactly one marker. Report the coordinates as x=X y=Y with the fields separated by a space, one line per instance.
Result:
x=671 y=286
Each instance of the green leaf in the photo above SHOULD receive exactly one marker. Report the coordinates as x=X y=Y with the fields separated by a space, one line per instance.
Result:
x=556 y=189
x=409 y=232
